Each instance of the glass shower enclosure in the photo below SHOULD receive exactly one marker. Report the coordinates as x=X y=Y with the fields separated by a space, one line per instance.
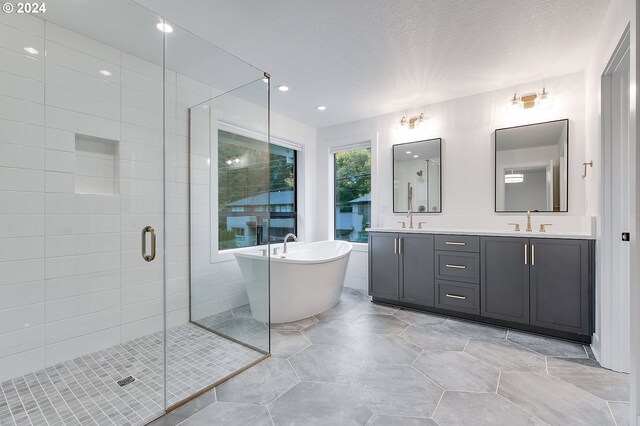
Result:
x=114 y=307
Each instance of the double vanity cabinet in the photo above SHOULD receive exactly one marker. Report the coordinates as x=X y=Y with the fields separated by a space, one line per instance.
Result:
x=539 y=284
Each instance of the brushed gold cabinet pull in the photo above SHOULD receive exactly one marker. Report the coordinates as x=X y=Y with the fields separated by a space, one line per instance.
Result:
x=395 y=246
x=453 y=243
x=400 y=245
x=533 y=255
x=525 y=253
x=455 y=296
x=456 y=266
x=145 y=256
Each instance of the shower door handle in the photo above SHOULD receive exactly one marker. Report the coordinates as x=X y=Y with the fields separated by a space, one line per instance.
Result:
x=145 y=256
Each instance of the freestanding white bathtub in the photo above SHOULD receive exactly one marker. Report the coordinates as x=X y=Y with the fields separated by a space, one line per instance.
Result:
x=304 y=282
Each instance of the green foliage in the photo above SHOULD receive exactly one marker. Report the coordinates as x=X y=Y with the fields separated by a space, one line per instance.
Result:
x=353 y=175
x=364 y=235
x=226 y=239
x=257 y=171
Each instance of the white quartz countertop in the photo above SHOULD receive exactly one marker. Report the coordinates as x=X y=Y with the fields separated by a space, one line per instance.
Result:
x=497 y=233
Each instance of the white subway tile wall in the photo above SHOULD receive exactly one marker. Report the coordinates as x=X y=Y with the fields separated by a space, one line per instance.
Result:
x=72 y=280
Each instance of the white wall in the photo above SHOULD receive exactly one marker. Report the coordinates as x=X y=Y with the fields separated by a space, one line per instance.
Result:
x=71 y=276
x=611 y=341
x=72 y=279
x=217 y=281
x=466 y=127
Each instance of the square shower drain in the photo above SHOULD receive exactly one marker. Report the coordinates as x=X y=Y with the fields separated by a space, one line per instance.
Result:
x=126 y=381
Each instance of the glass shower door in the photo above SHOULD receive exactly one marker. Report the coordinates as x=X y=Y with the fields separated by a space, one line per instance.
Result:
x=81 y=176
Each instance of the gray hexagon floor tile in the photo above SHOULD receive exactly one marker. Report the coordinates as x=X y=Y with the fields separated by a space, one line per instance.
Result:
x=435 y=338
x=243 y=311
x=474 y=329
x=349 y=300
x=326 y=363
x=620 y=411
x=331 y=333
x=505 y=356
x=321 y=404
x=368 y=307
x=212 y=320
x=287 y=343
x=547 y=345
x=230 y=414
x=241 y=328
x=458 y=371
x=386 y=349
x=554 y=401
x=260 y=384
x=588 y=375
x=397 y=391
x=419 y=319
x=480 y=409
x=295 y=325
x=377 y=420
x=379 y=324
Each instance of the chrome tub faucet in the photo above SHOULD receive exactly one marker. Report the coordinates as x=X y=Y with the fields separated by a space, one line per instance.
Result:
x=284 y=248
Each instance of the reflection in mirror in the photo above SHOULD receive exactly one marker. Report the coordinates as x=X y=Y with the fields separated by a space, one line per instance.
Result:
x=531 y=167
x=417 y=177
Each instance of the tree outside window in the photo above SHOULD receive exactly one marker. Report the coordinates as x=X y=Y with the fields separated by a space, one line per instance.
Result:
x=352 y=211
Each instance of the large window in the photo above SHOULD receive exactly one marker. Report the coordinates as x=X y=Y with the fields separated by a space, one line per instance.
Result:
x=352 y=183
x=249 y=181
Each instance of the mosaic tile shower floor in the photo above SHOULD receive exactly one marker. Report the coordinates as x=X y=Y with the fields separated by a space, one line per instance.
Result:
x=84 y=391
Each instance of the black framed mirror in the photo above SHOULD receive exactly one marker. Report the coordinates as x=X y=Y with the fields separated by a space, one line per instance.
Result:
x=417 y=177
x=531 y=167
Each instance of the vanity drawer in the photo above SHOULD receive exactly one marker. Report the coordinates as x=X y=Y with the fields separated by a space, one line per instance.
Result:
x=458 y=266
x=470 y=243
x=458 y=297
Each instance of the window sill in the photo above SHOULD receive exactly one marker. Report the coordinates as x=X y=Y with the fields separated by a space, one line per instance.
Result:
x=362 y=247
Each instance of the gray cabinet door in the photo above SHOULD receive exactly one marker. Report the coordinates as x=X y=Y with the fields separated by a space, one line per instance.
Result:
x=504 y=282
x=560 y=284
x=383 y=265
x=416 y=269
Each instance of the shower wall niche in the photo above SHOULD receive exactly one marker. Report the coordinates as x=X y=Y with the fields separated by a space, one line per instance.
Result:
x=97 y=168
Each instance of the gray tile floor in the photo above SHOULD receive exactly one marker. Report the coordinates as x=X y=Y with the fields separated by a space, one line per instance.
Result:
x=363 y=363
x=84 y=391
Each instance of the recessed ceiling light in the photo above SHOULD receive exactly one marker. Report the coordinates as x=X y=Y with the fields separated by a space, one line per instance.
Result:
x=105 y=72
x=321 y=107
x=164 y=27
x=415 y=156
x=408 y=152
x=31 y=50
x=283 y=88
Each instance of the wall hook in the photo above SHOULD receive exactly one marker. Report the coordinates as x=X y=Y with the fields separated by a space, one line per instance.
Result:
x=585 y=164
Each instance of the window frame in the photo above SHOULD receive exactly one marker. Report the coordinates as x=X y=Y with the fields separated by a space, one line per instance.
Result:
x=218 y=255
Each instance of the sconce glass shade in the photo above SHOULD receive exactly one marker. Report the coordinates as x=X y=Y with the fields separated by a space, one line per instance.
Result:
x=403 y=120
x=545 y=100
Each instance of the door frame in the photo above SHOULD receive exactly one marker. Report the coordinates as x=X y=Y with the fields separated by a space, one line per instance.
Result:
x=613 y=256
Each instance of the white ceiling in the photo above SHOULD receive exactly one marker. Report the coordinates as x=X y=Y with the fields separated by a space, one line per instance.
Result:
x=363 y=58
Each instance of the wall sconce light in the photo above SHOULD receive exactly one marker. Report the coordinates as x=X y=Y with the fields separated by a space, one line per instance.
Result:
x=412 y=120
x=529 y=100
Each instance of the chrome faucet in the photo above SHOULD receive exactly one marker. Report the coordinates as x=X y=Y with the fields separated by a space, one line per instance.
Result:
x=284 y=248
x=410 y=216
x=529 y=229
